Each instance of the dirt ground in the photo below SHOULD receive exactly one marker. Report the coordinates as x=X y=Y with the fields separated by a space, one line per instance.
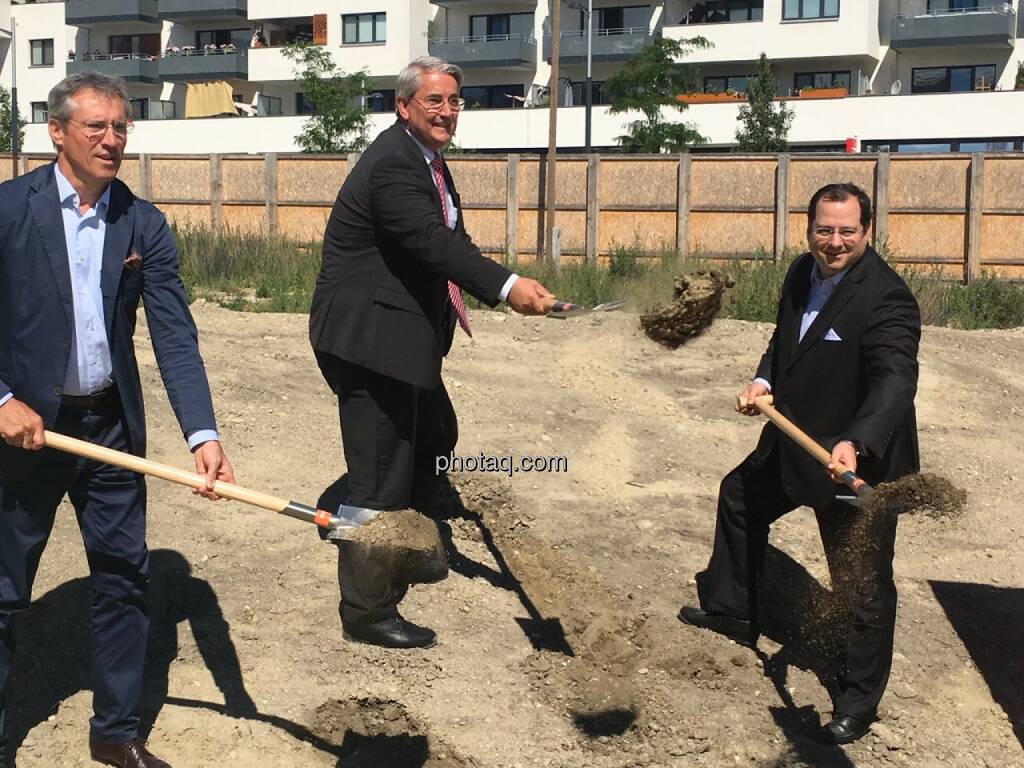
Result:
x=558 y=638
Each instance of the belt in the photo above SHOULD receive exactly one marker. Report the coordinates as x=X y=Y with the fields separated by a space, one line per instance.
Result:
x=97 y=401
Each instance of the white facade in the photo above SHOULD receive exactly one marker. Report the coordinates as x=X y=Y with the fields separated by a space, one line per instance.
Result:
x=883 y=51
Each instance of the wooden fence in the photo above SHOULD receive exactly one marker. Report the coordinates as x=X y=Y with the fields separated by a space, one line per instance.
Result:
x=963 y=213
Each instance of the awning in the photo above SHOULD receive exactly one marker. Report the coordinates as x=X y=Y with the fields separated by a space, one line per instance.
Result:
x=209 y=99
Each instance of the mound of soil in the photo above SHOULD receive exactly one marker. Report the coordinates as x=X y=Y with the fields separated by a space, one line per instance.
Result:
x=404 y=544
x=926 y=493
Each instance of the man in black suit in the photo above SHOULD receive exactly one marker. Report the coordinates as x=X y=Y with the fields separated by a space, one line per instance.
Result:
x=387 y=300
x=842 y=364
x=78 y=251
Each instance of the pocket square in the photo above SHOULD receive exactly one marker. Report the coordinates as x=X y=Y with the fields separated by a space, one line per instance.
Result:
x=832 y=335
x=134 y=260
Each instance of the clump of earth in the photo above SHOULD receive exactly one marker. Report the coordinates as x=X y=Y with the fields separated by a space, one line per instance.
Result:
x=697 y=299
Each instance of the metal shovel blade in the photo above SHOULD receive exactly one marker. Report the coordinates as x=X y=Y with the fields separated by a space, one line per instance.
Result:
x=564 y=309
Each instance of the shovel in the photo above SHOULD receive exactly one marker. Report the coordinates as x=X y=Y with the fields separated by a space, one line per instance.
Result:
x=347 y=517
x=564 y=309
x=801 y=438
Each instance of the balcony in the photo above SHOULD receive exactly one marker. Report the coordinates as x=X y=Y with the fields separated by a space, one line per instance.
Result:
x=189 y=65
x=485 y=50
x=89 y=13
x=469 y=3
x=201 y=10
x=133 y=67
x=991 y=27
x=608 y=44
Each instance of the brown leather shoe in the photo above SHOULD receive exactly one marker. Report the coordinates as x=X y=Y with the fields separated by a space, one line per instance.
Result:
x=127 y=754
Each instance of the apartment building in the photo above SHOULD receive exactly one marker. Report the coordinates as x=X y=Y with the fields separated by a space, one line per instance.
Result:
x=902 y=75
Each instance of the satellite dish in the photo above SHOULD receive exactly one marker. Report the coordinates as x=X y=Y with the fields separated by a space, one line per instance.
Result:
x=896 y=87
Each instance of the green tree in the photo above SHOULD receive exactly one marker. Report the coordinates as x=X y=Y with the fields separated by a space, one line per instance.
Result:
x=650 y=81
x=764 y=123
x=5 y=122
x=338 y=123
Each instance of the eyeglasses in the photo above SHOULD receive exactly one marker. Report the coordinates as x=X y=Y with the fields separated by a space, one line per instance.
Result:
x=847 y=234
x=435 y=102
x=96 y=129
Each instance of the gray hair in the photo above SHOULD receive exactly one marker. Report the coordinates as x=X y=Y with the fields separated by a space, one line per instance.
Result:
x=410 y=78
x=61 y=103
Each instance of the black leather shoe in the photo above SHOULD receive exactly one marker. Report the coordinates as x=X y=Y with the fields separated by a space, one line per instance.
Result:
x=842 y=729
x=391 y=633
x=738 y=630
x=127 y=754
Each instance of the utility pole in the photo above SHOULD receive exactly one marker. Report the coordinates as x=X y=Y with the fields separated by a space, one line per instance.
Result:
x=589 y=99
x=549 y=195
x=14 y=98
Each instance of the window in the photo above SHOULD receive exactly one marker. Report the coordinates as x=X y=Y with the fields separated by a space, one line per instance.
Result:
x=944 y=6
x=734 y=10
x=519 y=25
x=986 y=146
x=140 y=109
x=927 y=147
x=363 y=28
x=161 y=110
x=835 y=79
x=267 y=106
x=125 y=45
x=42 y=53
x=953 y=79
x=615 y=21
x=491 y=96
x=794 y=10
x=381 y=101
x=579 y=93
x=736 y=83
x=302 y=105
x=40 y=113
x=240 y=38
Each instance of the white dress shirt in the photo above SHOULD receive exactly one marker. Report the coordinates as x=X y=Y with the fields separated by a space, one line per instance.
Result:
x=453 y=212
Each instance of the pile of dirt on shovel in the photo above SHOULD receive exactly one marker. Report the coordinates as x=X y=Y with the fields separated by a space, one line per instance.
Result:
x=404 y=543
x=926 y=494
x=698 y=297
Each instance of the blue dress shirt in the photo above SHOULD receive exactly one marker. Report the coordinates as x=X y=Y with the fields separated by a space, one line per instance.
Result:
x=89 y=370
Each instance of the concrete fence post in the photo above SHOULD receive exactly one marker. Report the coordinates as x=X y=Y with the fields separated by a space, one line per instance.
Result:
x=216 y=194
x=781 y=207
x=683 y=206
x=975 y=208
x=882 y=201
x=512 y=210
x=593 y=210
x=270 y=190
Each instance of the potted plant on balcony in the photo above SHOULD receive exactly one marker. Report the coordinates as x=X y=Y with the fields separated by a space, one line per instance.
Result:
x=1019 y=82
x=832 y=92
x=710 y=97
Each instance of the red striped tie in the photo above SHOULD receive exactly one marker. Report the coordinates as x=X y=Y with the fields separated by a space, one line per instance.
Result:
x=454 y=294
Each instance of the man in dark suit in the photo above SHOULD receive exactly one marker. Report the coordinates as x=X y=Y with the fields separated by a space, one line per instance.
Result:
x=77 y=252
x=842 y=364
x=387 y=300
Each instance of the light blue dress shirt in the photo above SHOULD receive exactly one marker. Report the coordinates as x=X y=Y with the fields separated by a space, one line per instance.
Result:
x=821 y=289
x=90 y=369
x=453 y=212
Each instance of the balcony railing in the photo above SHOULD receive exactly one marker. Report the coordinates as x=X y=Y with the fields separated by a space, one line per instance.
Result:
x=133 y=67
x=607 y=45
x=187 y=63
x=181 y=10
x=485 y=50
x=992 y=26
x=88 y=13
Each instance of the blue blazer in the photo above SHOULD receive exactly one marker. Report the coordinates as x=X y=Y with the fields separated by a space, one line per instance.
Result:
x=37 y=314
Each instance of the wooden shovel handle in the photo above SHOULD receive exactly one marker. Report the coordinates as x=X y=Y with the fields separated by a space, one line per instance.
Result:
x=801 y=438
x=163 y=471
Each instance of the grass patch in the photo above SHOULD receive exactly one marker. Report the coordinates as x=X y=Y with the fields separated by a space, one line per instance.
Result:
x=260 y=273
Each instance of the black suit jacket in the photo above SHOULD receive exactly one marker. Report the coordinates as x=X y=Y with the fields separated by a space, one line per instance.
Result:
x=859 y=388
x=37 y=309
x=381 y=299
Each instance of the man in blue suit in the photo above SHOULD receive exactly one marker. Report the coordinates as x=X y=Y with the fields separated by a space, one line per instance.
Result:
x=77 y=252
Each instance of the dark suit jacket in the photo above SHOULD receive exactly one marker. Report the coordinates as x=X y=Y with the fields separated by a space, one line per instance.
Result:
x=860 y=388
x=37 y=313
x=381 y=299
